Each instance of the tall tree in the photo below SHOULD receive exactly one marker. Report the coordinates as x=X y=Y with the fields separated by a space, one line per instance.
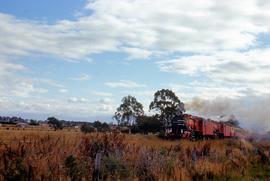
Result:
x=167 y=105
x=128 y=111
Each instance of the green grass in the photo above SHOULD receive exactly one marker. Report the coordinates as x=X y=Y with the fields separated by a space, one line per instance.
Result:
x=260 y=172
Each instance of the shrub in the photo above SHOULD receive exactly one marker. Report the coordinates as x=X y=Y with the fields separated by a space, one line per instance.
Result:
x=12 y=164
x=33 y=122
x=86 y=128
x=55 y=123
x=14 y=170
x=115 y=167
x=161 y=134
x=148 y=124
x=72 y=169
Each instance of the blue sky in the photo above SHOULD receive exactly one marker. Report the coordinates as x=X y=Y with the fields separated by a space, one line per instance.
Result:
x=77 y=59
x=48 y=11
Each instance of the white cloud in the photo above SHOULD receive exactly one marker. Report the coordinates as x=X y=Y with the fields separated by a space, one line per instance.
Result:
x=105 y=105
x=248 y=70
x=221 y=35
x=63 y=90
x=169 y=25
x=77 y=100
x=103 y=94
x=137 y=53
x=206 y=90
x=14 y=85
x=124 y=84
x=25 y=89
x=49 y=82
x=105 y=100
x=189 y=65
x=58 y=107
x=81 y=77
x=78 y=39
x=166 y=25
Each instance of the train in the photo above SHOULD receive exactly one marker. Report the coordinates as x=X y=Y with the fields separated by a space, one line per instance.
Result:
x=191 y=127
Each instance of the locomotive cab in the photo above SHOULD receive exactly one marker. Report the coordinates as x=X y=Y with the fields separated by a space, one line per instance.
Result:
x=177 y=127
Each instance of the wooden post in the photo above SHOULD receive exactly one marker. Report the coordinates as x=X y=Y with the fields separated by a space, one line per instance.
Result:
x=97 y=166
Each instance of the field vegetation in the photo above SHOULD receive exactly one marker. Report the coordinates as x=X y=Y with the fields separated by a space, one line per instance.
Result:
x=70 y=155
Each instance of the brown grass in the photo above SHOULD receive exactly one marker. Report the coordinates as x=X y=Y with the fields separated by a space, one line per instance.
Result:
x=70 y=155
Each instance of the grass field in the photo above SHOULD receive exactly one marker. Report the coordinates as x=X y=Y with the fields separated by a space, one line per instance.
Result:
x=70 y=155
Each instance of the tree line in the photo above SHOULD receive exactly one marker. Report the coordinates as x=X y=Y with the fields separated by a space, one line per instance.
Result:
x=164 y=106
x=130 y=114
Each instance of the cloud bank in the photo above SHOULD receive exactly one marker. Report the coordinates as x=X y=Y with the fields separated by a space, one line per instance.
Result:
x=221 y=47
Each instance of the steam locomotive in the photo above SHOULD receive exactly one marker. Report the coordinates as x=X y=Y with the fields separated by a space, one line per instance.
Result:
x=195 y=128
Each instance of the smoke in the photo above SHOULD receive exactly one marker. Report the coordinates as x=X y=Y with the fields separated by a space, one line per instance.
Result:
x=252 y=112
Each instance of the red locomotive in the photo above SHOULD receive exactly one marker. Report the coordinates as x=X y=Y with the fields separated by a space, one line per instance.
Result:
x=194 y=128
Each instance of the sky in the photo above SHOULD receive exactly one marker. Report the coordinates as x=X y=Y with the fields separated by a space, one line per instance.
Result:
x=76 y=59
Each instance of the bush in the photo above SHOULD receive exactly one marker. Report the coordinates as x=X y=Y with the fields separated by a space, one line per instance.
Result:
x=15 y=170
x=101 y=127
x=161 y=134
x=86 y=128
x=148 y=124
x=72 y=169
x=135 y=129
x=55 y=123
x=114 y=166
x=33 y=122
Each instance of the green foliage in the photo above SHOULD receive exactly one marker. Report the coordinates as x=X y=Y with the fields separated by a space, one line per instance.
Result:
x=33 y=122
x=101 y=126
x=128 y=111
x=55 y=123
x=72 y=169
x=148 y=124
x=114 y=166
x=260 y=171
x=167 y=105
x=14 y=168
x=87 y=128
x=16 y=171
x=135 y=129
x=161 y=134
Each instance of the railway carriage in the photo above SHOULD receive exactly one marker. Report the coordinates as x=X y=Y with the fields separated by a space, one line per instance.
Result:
x=194 y=128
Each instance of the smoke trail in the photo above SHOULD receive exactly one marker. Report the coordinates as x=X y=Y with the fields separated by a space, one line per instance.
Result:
x=252 y=112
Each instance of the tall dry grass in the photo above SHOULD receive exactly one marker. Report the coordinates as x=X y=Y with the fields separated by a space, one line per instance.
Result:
x=69 y=155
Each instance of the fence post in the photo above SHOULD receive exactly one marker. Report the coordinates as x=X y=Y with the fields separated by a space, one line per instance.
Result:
x=194 y=155
x=97 y=166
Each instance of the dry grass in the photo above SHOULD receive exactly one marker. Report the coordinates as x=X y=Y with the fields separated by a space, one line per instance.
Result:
x=70 y=155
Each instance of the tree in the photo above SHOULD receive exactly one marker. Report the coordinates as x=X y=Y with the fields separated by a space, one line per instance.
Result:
x=98 y=125
x=105 y=126
x=128 y=111
x=101 y=126
x=33 y=122
x=167 y=105
x=148 y=124
x=87 y=128
x=55 y=123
